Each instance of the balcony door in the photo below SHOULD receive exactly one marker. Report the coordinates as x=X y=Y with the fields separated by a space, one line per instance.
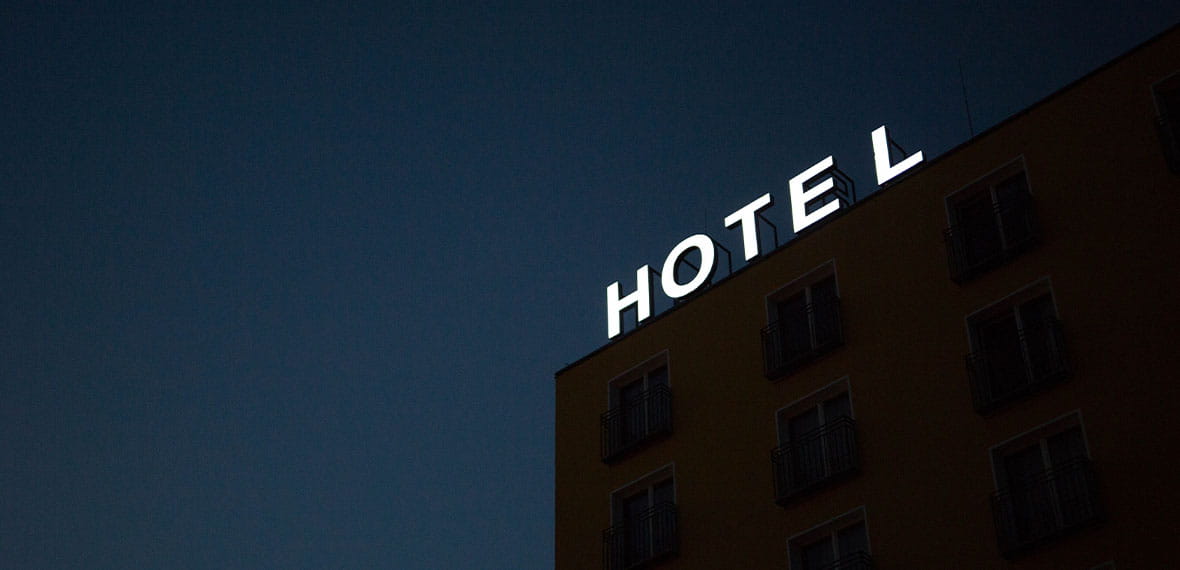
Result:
x=844 y=549
x=816 y=450
x=641 y=411
x=1046 y=486
x=808 y=319
x=1018 y=345
x=646 y=529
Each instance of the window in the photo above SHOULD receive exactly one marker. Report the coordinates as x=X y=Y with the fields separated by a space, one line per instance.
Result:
x=805 y=323
x=644 y=522
x=1046 y=486
x=992 y=221
x=841 y=544
x=817 y=442
x=640 y=409
x=1018 y=348
x=1167 y=100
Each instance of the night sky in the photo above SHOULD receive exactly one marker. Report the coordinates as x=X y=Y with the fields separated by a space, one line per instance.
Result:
x=286 y=286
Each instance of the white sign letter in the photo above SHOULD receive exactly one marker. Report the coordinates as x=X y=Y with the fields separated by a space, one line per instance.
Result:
x=704 y=273
x=799 y=197
x=745 y=218
x=641 y=298
x=885 y=172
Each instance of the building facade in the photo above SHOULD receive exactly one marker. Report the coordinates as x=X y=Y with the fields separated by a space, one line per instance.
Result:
x=975 y=367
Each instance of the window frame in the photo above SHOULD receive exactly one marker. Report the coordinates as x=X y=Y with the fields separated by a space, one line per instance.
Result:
x=612 y=450
x=645 y=483
x=816 y=400
x=962 y=271
x=1011 y=304
x=1039 y=436
x=802 y=284
x=639 y=372
x=828 y=529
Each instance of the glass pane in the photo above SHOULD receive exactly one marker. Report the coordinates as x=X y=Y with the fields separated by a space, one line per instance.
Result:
x=838 y=442
x=1071 y=482
x=634 y=506
x=818 y=554
x=663 y=522
x=662 y=492
x=1011 y=189
x=784 y=429
x=825 y=312
x=1037 y=310
x=637 y=532
x=807 y=462
x=1002 y=354
x=1169 y=102
x=1028 y=494
x=852 y=540
x=803 y=424
x=837 y=407
x=1066 y=445
x=633 y=417
x=1023 y=466
x=978 y=233
x=658 y=407
x=1015 y=210
x=824 y=290
x=795 y=328
x=1044 y=357
x=630 y=393
x=658 y=377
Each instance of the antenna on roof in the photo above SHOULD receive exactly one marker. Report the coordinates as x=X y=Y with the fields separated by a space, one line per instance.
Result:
x=966 y=103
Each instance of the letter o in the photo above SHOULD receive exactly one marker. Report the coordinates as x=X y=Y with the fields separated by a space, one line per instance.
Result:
x=708 y=265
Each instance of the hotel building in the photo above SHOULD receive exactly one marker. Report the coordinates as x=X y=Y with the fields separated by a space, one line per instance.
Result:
x=974 y=367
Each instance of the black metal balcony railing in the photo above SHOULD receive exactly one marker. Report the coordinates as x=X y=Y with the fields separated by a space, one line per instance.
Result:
x=859 y=560
x=977 y=245
x=1056 y=502
x=626 y=427
x=999 y=377
x=821 y=456
x=789 y=344
x=649 y=538
x=1169 y=132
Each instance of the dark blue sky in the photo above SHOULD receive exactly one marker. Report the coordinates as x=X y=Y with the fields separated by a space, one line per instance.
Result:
x=285 y=286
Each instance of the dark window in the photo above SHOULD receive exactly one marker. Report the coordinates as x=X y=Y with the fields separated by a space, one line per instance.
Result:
x=1167 y=98
x=1047 y=490
x=641 y=410
x=1018 y=349
x=818 y=446
x=844 y=548
x=805 y=325
x=645 y=526
x=991 y=222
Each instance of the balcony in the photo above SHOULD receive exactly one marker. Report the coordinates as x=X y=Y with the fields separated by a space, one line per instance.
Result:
x=1053 y=504
x=817 y=458
x=979 y=244
x=856 y=561
x=633 y=424
x=1002 y=376
x=644 y=541
x=790 y=343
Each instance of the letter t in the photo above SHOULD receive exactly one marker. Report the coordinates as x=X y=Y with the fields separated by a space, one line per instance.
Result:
x=745 y=217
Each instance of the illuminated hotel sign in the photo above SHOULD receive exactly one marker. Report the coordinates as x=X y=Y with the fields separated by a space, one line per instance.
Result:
x=801 y=194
